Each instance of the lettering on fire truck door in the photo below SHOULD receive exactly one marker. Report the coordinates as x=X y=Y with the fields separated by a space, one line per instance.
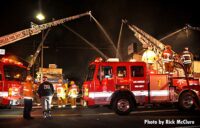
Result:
x=138 y=83
x=122 y=78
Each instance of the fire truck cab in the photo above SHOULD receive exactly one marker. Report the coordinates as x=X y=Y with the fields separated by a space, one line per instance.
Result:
x=125 y=85
x=12 y=76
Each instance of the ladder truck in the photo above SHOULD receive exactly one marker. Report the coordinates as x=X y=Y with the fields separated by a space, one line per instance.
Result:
x=12 y=72
x=157 y=47
x=126 y=85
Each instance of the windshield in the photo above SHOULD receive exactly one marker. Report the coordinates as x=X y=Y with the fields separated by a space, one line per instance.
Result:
x=14 y=73
x=91 y=70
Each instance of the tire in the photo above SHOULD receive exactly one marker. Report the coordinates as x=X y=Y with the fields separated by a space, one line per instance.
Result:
x=123 y=105
x=186 y=102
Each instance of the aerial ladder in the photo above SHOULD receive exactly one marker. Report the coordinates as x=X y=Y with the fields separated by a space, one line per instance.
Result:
x=34 y=30
x=146 y=39
x=185 y=28
x=149 y=41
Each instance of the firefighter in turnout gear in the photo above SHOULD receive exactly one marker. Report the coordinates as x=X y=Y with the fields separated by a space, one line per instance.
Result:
x=167 y=57
x=61 y=94
x=28 y=97
x=187 y=58
x=66 y=90
x=73 y=93
x=150 y=58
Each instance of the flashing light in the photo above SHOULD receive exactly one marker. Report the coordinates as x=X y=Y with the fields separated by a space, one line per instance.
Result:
x=86 y=92
x=132 y=60
x=113 y=60
x=99 y=59
x=10 y=92
x=11 y=61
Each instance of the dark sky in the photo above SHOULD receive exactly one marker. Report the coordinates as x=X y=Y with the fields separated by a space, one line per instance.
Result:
x=156 y=17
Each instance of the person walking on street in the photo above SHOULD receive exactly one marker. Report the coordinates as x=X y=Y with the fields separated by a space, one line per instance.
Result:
x=45 y=92
x=73 y=93
x=187 y=58
x=28 y=98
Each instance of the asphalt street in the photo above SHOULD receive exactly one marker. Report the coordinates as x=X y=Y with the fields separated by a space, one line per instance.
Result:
x=100 y=117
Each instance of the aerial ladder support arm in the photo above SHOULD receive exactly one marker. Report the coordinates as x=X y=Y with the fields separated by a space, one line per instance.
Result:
x=36 y=29
x=145 y=38
x=40 y=46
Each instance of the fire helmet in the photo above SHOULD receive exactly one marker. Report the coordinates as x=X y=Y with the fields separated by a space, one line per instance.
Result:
x=28 y=78
x=59 y=80
x=72 y=82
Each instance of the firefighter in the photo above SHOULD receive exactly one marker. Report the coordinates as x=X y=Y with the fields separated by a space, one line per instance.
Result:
x=36 y=97
x=73 y=93
x=168 y=61
x=150 y=58
x=66 y=90
x=45 y=92
x=61 y=94
x=187 y=58
x=28 y=98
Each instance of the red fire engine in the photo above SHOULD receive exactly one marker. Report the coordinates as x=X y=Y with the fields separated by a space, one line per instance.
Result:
x=125 y=85
x=12 y=76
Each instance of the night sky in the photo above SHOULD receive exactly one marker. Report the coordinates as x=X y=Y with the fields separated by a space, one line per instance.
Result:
x=156 y=17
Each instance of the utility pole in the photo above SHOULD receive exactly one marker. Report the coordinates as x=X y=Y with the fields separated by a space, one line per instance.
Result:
x=42 y=57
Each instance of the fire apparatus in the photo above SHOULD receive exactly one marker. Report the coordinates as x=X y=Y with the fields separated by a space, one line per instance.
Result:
x=12 y=76
x=12 y=73
x=125 y=85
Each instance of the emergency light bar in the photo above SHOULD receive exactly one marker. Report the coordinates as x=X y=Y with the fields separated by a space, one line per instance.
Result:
x=11 y=61
x=132 y=60
x=113 y=60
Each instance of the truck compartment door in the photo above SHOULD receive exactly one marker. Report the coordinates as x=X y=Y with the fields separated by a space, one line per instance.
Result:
x=159 y=88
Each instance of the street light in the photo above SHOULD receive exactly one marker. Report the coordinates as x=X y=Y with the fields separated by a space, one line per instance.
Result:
x=40 y=16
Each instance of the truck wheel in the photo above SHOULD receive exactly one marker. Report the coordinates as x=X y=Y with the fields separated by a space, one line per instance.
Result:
x=122 y=105
x=186 y=101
